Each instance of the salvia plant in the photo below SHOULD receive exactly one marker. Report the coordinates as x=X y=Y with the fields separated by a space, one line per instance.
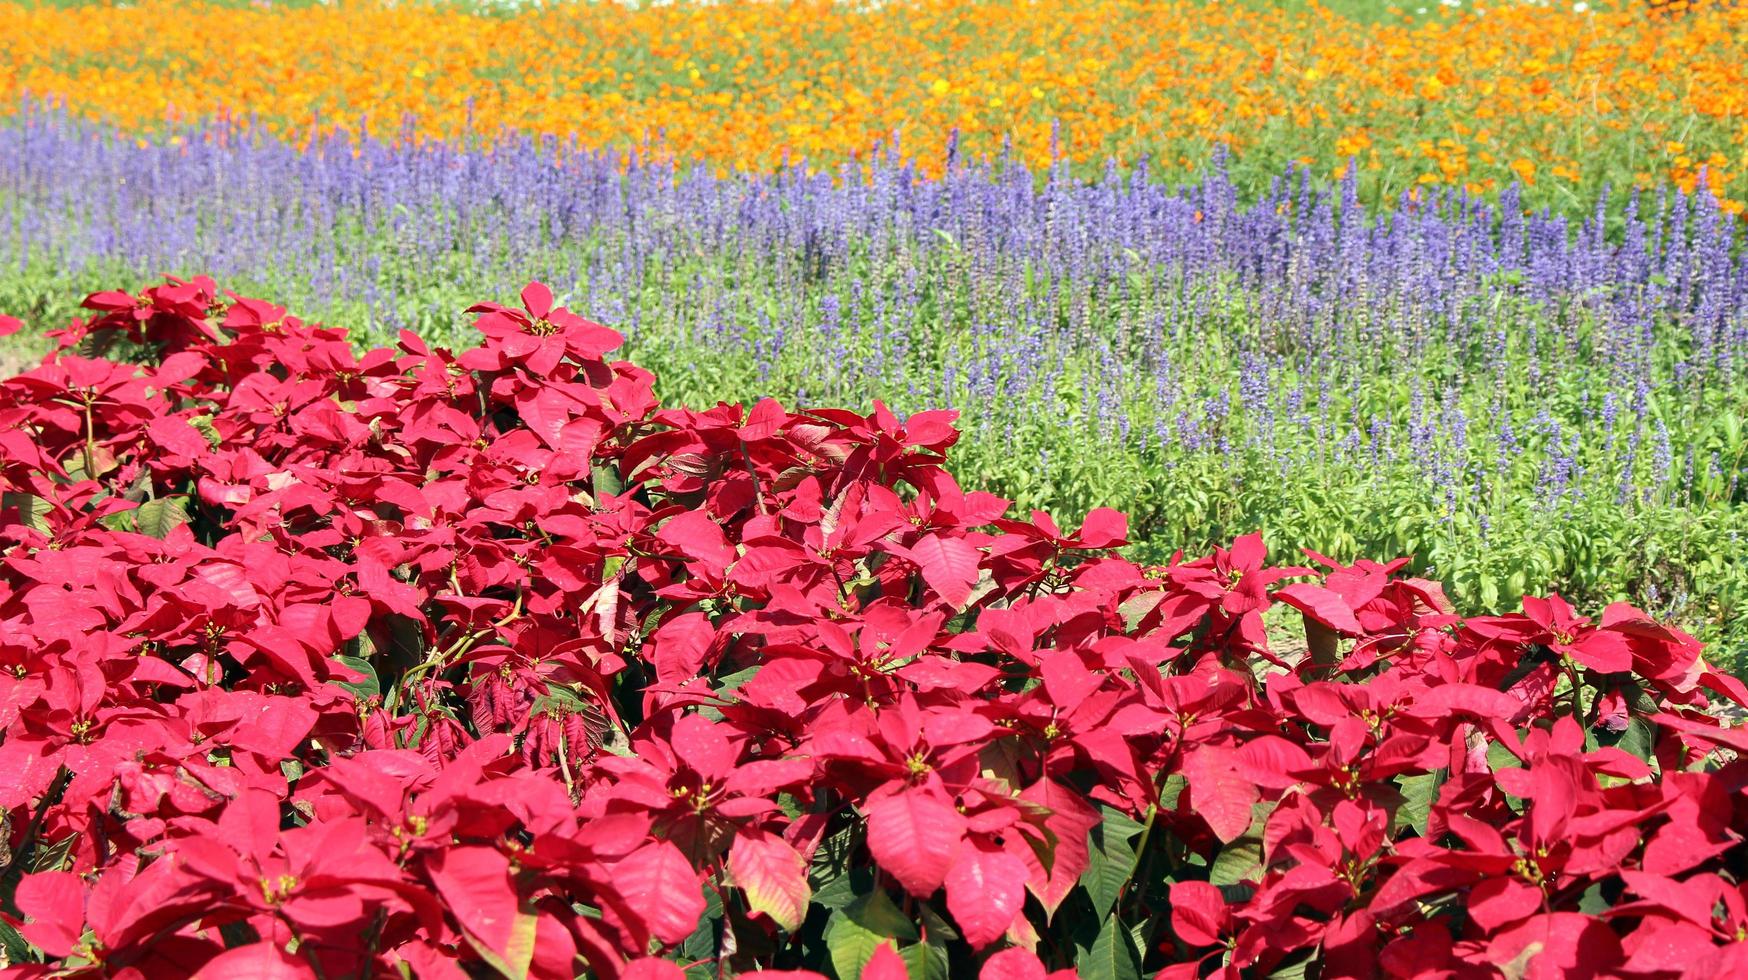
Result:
x=429 y=663
x=1518 y=398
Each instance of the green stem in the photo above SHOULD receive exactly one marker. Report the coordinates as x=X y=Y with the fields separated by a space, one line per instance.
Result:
x=376 y=927
x=90 y=443
x=1572 y=676
x=564 y=766
x=49 y=797
x=1143 y=863
x=441 y=658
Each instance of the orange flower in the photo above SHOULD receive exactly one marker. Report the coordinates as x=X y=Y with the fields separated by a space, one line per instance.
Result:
x=748 y=85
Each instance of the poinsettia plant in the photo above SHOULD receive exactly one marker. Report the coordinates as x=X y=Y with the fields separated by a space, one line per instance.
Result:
x=409 y=662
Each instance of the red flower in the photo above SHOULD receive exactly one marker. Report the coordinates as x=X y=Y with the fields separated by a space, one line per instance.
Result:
x=538 y=336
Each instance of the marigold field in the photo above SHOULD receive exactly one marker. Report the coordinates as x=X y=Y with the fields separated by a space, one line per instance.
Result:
x=1559 y=101
x=887 y=491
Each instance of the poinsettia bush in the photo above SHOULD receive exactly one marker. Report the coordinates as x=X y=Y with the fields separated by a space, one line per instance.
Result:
x=436 y=664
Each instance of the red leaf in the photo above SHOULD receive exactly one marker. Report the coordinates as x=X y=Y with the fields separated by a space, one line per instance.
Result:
x=1484 y=703
x=1248 y=551
x=230 y=582
x=256 y=961
x=1321 y=605
x=1671 y=948
x=1071 y=819
x=1678 y=846
x=885 y=964
x=175 y=433
x=1104 y=528
x=1556 y=946
x=773 y=876
x=475 y=883
x=1321 y=703
x=1498 y=902
x=1066 y=678
x=682 y=646
x=1013 y=964
x=916 y=836
x=1272 y=761
x=1727 y=685
x=704 y=745
x=1605 y=651
x=1198 y=913
x=1218 y=793
x=651 y=968
x=54 y=906
x=537 y=298
x=763 y=421
x=26 y=770
x=660 y=884
x=985 y=890
x=949 y=566
x=694 y=535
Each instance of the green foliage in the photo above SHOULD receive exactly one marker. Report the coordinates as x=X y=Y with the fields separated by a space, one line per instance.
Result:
x=728 y=326
x=1112 y=860
x=856 y=930
x=1110 y=956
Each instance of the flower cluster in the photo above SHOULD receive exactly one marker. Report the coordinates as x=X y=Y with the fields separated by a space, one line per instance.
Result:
x=1476 y=98
x=320 y=664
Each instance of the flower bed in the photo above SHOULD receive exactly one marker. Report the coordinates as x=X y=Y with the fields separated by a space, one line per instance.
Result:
x=321 y=664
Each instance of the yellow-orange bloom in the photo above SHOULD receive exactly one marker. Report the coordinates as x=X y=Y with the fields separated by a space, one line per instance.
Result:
x=1519 y=91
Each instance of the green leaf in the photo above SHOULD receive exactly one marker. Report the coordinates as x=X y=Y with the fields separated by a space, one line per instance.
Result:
x=1239 y=862
x=725 y=688
x=1111 y=956
x=1640 y=738
x=558 y=700
x=52 y=857
x=406 y=643
x=1111 y=859
x=836 y=881
x=606 y=479
x=1499 y=757
x=121 y=520
x=369 y=687
x=701 y=945
x=1171 y=789
x=924 y=961
x=203 y=423
x=18 y=949
x=940 y=931
x=1292 y=971
x=841 y=890
x=854 y=932
x=33 y=511
x=238 y=934
x=1107 y=870
x=1418 y=792
x=1135 y=608
x=157 y=518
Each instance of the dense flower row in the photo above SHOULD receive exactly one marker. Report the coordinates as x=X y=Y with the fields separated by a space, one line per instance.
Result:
x=1512 y=398
x=1495 y=93
x=321 y=664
